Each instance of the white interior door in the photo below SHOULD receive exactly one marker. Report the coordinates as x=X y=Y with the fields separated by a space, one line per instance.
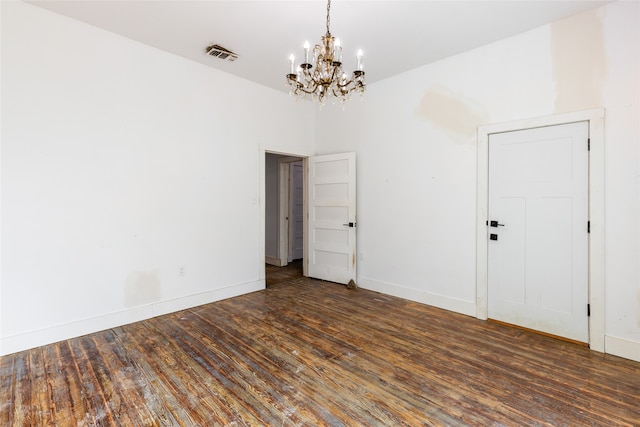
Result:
x=538 y=247
x=332 y=217
x=296 y=210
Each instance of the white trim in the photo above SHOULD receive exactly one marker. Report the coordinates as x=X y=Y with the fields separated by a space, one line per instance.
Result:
x=273 y=261
x=262 y=216
x=435 y=300
x=36 y=338
x=284 y=195
x=595 y=118
x=622 y=347
x=283 y=211
x=305 y=216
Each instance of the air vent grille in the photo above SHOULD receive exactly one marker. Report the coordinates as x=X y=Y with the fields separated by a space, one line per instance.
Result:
x=220 y=52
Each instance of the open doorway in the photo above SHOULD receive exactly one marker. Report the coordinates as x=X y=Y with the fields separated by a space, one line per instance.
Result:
x=284 y=217
x=328 y=214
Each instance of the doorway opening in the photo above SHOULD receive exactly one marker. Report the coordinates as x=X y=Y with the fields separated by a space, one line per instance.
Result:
x=284 y=217
x=328 y=214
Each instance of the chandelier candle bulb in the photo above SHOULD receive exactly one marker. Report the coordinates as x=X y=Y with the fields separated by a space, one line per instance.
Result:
x=292 y=60
x=359 y=55
x=306 y=52
x=338 y=51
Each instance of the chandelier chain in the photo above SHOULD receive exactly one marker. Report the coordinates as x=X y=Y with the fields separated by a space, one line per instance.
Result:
x=328 y=16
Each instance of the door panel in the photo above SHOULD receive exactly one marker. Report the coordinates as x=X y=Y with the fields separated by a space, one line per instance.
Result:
x=512 y=252
x=296 y=209
x=538 y=190
x=332 y=207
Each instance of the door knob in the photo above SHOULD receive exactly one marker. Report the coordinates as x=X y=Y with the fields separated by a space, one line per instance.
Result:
x=495 y=224
x=351 y=224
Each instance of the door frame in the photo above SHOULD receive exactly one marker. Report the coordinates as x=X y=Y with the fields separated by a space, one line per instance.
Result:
x=596 y=261
x=262 y=208
x=284 y=194
x=291 y=230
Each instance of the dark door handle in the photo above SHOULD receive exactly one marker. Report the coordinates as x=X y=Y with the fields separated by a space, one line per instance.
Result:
x=495 y=224
x=351 y=224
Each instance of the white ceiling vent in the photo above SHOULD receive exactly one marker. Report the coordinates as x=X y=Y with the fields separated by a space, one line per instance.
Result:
x=219 y=52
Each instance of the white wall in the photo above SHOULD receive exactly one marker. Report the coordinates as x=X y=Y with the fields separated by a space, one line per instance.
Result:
x=415 y=138
x=132 y=179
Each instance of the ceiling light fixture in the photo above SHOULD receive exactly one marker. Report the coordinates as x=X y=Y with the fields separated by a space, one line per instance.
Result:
x=326 y=78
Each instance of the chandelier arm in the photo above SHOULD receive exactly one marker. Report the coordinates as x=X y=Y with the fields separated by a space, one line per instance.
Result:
x=313 y=83
x=310 y=90
x=333 y=76
x=347 y=83
x=300 y=86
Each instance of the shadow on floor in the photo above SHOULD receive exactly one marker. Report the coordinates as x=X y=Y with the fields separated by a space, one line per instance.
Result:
x=283 y=274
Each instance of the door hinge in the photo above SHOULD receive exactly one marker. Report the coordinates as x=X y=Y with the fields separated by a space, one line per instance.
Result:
x=588 y=310
x=588 y=226
x=588 y=144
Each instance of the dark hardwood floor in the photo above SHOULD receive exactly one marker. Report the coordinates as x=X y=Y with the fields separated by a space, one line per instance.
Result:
x=305 y=352
x=283 y=274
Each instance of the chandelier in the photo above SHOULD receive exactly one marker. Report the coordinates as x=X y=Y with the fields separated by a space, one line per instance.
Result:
x=326 y=78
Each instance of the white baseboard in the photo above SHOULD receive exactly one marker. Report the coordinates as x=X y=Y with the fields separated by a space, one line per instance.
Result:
x=435 y=300
x=622 y=347
x=32 y=339
x=273 y=261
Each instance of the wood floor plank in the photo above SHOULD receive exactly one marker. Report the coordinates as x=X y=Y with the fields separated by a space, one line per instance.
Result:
x=164 y=393
x=64 y=392
x=246 y=381
x=106 y=373
x=506 y=361
x=309 y=353
x=41 y=405
x=21 y=389
x=264 y=362
x=400 y=343
x=517 y=381
x=324 y=358
x=98 y=412
x=182 y=351
x=121 y=384
x=7 y=374
x=351 y=350
x=330 y=352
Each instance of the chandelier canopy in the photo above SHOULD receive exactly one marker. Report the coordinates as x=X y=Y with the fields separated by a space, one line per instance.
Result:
x=326 y=78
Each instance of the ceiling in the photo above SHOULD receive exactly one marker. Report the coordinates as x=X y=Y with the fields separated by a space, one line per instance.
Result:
x=395 y=36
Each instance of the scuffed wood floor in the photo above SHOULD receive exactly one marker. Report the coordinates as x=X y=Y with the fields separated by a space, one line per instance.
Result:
x=277 y=275
x=312 y=353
